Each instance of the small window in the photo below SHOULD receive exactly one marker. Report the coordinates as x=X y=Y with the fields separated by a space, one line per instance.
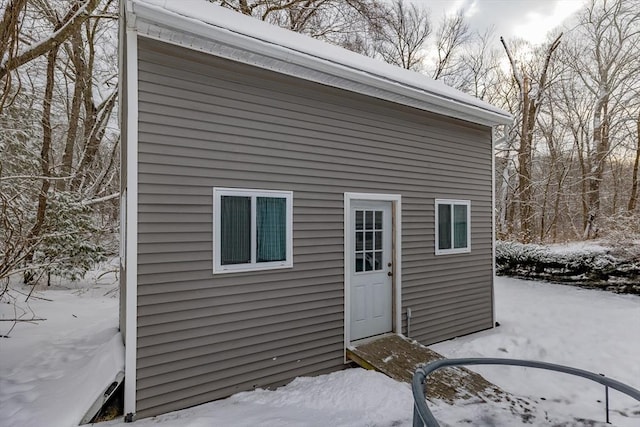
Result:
x=252 y=230
x=453 y=226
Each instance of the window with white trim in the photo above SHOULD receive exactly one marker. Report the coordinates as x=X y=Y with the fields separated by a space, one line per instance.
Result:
x=252 y=229
x=453 y=226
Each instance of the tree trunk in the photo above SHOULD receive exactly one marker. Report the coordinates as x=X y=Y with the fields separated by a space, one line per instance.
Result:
x=524 y=162
x=98 y=120
x=633 y=198
x=9 y=36
x=81 y=79
x=503 y=219
x=582 y=160
x=601 y=146
x=45 y=155
x=9 y=26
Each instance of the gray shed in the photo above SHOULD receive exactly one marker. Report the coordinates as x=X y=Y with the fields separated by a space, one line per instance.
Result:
x=284 y=198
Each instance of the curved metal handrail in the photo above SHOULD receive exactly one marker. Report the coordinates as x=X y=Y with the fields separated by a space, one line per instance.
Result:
x=422 y=415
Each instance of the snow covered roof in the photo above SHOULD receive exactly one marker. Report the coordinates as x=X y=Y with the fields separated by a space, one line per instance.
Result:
x=203 y=26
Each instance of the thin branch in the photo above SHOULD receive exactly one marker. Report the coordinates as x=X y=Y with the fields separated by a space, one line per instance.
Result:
x=60 y=35
x=36 y=177
x=100 y=199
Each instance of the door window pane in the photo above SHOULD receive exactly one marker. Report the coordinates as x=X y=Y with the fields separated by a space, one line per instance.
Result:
x=368 y=261
x=359 y=220
x=378 y=264
x=235 y=229
x=368 y=221
x=378 y=222
x=378 y=244
x=368 y=242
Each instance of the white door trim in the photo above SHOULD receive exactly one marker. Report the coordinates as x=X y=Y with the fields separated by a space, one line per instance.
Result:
x=396 y=202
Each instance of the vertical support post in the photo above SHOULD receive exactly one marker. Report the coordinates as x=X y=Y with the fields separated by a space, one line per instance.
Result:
x=606 y=401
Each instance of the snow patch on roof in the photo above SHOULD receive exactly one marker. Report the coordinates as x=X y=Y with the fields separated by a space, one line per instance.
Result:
x=188 y=16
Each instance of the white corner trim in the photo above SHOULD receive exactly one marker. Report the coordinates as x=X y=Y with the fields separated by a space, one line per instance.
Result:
x=131 y=40
x=493 y=227
x=397 y=262
x=396 y=206
x=346 y=257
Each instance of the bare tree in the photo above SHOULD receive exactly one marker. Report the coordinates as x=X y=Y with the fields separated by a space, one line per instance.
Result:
x=478 y=72
x=531 y=90
x=10 y=42
x=57 y=154
x=342 y=22
x=633 y=197
x=400 y=37
x=604 y=56
x=453 y=33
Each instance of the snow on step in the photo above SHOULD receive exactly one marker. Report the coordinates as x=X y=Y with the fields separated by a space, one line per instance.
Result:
x=399 y=357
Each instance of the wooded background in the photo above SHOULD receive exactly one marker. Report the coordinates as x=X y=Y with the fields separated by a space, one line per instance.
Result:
x=566 y=168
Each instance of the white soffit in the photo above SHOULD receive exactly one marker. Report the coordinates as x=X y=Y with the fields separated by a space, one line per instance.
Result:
x=203 y=26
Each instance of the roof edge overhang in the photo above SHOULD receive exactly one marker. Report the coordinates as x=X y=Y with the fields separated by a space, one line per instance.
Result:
x=157 y=22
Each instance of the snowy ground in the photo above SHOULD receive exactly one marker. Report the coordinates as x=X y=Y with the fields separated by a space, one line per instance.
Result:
x=51 y=371
x=48 y=370
x=584 y=328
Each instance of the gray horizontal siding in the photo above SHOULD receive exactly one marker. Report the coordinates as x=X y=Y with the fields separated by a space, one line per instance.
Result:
x=206 y=122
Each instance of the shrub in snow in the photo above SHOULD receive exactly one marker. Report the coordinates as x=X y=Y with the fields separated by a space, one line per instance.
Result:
x=70 y=248
x=582 y=266
x=623 y=234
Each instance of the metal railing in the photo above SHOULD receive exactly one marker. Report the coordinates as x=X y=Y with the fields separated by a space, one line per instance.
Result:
x=422 y=415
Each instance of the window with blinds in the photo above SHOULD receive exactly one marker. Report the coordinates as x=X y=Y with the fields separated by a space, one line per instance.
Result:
x=252 y=229
x=453 y=226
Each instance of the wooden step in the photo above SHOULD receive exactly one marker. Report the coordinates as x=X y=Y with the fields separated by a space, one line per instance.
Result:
x=398 y=358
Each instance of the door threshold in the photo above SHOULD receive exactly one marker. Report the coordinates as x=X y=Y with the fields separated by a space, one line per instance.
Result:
x=367 y=340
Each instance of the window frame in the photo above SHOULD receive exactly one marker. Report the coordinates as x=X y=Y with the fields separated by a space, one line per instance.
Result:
x=452 y=203
x=218 y=193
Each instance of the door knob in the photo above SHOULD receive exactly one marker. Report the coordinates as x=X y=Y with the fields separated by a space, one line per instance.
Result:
x=389 y=273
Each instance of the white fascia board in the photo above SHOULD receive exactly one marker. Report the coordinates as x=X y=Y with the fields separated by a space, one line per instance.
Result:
x=131 y=303
x=338 y=67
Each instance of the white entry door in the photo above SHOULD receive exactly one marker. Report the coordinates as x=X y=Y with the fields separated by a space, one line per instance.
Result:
x=371 y=270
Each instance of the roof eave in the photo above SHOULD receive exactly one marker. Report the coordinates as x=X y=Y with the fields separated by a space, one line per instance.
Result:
x=158 y=23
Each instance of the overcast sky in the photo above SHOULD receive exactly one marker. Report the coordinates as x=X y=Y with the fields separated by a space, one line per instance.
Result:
x=528 y=19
